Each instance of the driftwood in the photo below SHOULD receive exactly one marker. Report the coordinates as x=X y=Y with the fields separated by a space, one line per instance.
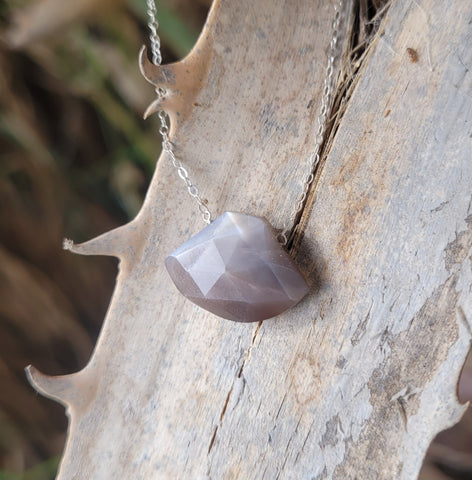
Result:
x=357 y=379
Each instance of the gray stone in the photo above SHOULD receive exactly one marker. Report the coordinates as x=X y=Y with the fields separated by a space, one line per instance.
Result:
x=236 y=269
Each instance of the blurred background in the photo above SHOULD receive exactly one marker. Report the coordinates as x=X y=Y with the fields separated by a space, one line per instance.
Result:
x=76 y=160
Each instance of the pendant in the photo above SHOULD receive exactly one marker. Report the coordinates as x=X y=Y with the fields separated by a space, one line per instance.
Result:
x=236 y=269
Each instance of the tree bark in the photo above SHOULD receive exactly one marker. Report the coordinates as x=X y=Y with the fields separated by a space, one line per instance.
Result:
x=356 y=380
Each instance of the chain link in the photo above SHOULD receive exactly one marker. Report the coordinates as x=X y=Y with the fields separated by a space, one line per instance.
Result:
x=167 y=146
x=153 y=25
x=322 y=117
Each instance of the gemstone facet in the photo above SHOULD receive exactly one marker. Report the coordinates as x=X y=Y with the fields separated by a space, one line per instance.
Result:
x=236 y=269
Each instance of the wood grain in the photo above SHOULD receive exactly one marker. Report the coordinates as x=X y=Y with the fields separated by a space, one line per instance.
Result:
x=358 y=378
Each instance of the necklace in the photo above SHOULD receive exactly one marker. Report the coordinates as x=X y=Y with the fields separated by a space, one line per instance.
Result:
x=237 y=266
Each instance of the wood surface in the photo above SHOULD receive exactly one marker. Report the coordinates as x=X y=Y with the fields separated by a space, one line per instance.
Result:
x=357 y=379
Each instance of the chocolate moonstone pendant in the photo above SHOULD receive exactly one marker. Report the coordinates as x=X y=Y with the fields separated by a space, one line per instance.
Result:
x=236 y=269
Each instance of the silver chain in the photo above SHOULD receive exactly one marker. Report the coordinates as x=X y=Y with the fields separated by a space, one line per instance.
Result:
x=167 y=145
x=319 y=138
x=153 y=25
x=322 y=116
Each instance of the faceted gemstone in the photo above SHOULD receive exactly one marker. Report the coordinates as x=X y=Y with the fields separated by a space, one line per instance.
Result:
x=236 y=269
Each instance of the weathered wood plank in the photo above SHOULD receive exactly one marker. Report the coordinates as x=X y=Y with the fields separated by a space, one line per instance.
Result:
x=358 y=378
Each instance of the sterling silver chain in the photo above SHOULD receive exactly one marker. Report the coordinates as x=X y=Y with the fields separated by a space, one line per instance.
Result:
x=322 y=116
x=167 y=146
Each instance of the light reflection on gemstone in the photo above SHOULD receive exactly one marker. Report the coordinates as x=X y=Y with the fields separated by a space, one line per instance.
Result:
x=236 y=269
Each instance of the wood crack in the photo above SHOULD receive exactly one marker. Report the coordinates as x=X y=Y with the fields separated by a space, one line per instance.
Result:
x=239 y=375
x=212 y=441
x=364 y=27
